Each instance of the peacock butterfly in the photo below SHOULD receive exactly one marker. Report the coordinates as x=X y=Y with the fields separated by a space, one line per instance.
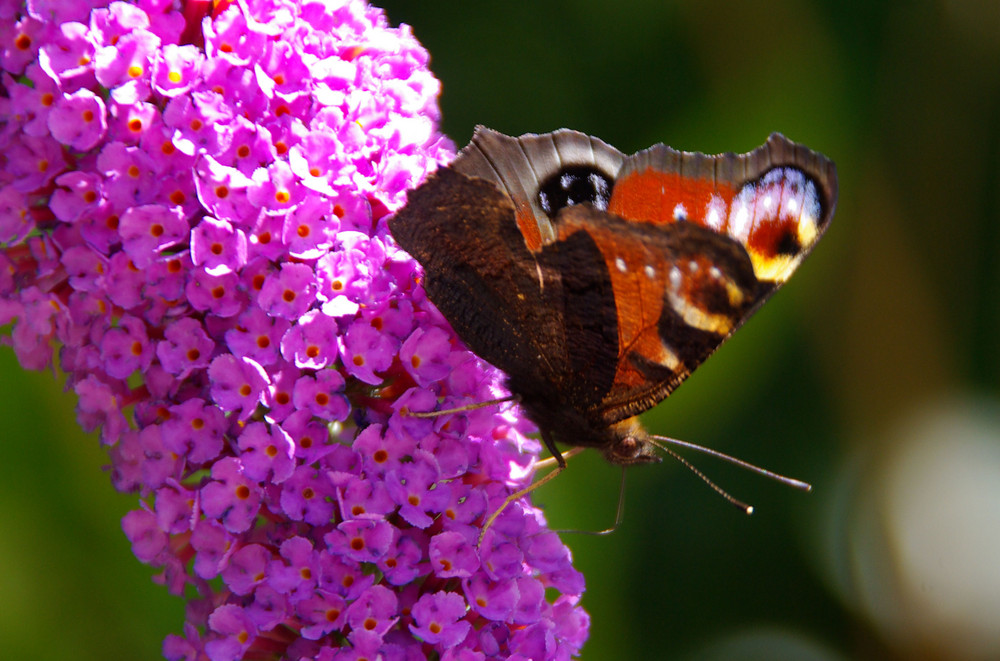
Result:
x=598 y=281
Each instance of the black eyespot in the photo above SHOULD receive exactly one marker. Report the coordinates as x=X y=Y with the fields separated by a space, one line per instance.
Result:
x=576 y=184
x=788 y=244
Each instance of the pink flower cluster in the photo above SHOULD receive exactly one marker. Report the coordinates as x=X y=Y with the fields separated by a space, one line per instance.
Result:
x=193 y=205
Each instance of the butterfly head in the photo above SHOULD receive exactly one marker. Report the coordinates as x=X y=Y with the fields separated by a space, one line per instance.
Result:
x=629 y=445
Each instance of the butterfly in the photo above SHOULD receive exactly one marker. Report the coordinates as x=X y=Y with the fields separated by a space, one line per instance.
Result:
x=598 y=281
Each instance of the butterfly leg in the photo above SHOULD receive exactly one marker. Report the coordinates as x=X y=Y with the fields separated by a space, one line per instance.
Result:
x=548 y=462
x=460 y=409
x=560 y=467
x=619 y=515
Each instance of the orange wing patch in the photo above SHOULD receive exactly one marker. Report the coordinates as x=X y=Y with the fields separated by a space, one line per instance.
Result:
x=776 y=217
x=639 y=279
x=659 y=198
x=528 y=225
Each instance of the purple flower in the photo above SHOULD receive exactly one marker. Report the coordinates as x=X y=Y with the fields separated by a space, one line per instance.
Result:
x=33 y=162
x=126 y=348
x=305 y=496
x=414 y=486
x=453 y=555
x=186 y=347
x=130 y=180
x=322 y=612
x=367 y=351
x=177 y=70
x=195 y=429
x=321 y=395
x=402 y=562
x=298 y=569
x=375 y=611
x=66 y=56
x=79 y=194
x=311 y=229
x=257 y=336
x=236 y=383
x=150 y=229
x=219 y=295
x=221 y=188
x=148 y=539
x=124 y=65
x=193 y=220
x=362 y=540
x=267 y=453
x=235 y=633
x=492 y=600
x=425 y=353
x=213 y=546
x=78 y=120
x=15 y=221
x=438 y=618
x=218 y=247
x=246 y=569
x=289 y=292
x=312 y=342
x=231 y=497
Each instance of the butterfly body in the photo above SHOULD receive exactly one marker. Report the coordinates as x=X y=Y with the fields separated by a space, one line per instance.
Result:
x=597 y=281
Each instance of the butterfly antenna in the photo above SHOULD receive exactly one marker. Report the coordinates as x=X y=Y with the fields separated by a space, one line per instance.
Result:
x=748 y=509
x=790 y=481
x=661 y=441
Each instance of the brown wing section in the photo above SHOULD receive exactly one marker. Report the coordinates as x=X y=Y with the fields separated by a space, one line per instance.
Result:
x=544 y=319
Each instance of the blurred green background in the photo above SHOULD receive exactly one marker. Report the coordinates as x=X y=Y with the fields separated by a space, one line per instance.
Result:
x=873 y=374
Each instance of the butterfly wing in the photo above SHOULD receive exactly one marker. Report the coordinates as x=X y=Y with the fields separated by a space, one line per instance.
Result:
x=707 y=240
x=604 y=308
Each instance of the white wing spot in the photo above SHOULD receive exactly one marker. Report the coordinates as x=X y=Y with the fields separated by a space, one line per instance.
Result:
x=692 y=266
x=713 y=219
x=792 y=205
x=740 y=222
x=680 y=213
x=715 y=273
x=650 y=272
x=675 y=278
x=768 y=202
x=715 y=213
x=620 y=264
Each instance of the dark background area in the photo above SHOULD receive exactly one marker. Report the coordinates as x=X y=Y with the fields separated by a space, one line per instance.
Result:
x=873 y=374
